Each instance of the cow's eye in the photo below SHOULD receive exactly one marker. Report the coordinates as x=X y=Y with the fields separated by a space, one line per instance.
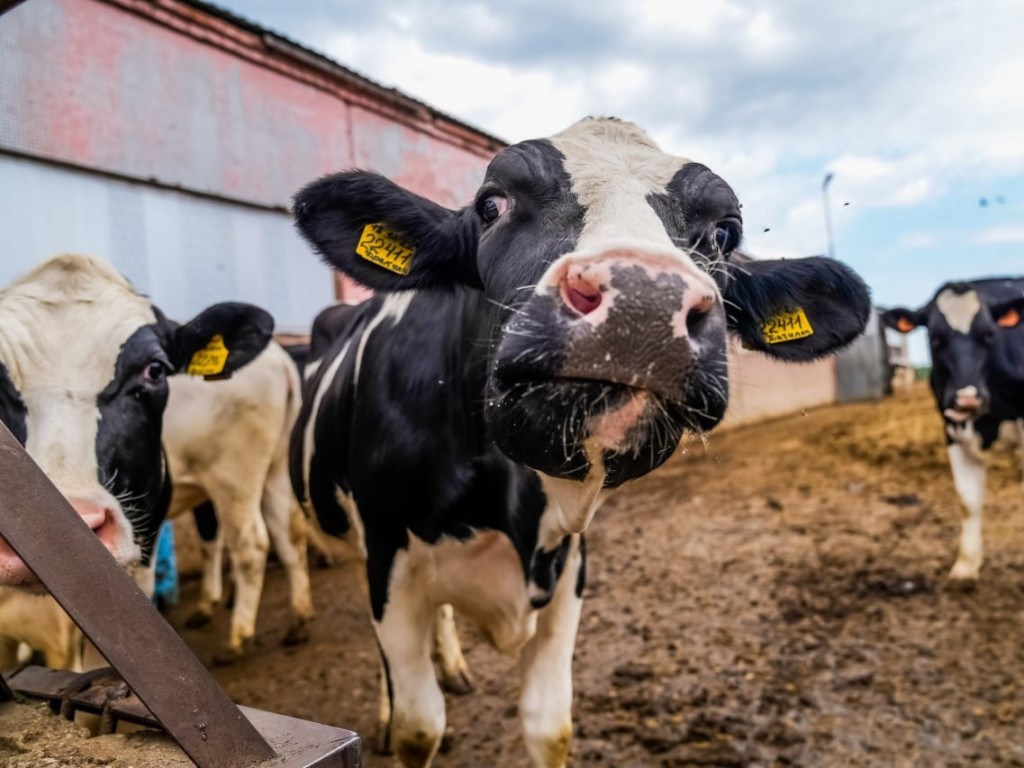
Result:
x=727 y=236
x=155 y=371
x=491 y=207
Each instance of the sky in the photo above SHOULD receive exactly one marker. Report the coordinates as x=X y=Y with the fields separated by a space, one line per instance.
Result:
x=915 y=108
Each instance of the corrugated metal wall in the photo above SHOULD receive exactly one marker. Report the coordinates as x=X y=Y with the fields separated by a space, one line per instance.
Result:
x=862 y=369
x=184 y=251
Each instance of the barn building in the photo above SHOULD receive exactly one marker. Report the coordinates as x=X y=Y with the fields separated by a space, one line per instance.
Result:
x=168 y=137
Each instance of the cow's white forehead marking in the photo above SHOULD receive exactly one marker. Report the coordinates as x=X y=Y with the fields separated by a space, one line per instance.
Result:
x=61 y=330
x=62 y=324
x=959 y=309
x=614 y=166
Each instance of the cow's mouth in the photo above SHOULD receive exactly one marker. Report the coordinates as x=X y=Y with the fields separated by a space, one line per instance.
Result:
x=962 y=415
x=14 y=572
x=553 y=425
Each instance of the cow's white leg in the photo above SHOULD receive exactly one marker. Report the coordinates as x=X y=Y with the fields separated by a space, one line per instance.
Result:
x=454 y=671
x=382 y=735
x=545 y=702
x=211 y=589
x=245 y=536
x=65 y=651
x=404 y=633
x=8 y=653
x=286 y=525
x=968 y=467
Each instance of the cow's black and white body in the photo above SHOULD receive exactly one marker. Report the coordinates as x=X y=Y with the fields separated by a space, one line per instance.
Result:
x=84 y=367
x=976 y=334
x=545 y=345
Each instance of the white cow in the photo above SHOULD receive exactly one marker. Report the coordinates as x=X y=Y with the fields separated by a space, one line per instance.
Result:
x=227 y=443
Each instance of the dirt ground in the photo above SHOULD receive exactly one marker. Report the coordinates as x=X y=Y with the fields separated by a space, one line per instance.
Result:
x=776 y=597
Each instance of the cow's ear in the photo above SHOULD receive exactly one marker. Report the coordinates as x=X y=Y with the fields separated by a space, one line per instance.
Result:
x=219 y=340
x=795 y=309
x=902 y=319
x=387 y=237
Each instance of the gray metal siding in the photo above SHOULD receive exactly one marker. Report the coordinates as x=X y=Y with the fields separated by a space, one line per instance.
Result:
x=185 y=251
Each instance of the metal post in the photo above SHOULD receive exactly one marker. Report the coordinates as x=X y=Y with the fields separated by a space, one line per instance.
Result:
x=46 y=532
x=828 y=214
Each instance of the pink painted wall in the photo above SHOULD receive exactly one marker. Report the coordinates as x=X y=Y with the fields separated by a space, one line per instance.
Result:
x=761 y=388
x=90 y=83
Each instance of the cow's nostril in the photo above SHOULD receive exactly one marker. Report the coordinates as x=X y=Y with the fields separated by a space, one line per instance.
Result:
x=697 y=312
x=580 y=293
x=584 y=303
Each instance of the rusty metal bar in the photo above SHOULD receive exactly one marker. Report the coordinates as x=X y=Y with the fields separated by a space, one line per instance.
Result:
x=68 y=558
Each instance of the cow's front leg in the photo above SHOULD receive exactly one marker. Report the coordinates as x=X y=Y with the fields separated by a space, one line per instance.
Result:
x=247 y=541
x=211 y=542
x=286 y=525
x=968 y=467
x=405 y=634
x=545 y=703
x=453 y=669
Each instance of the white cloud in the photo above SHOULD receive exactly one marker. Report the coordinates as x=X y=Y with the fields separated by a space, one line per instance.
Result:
x=918 y=239
x=906 y=103
x=1012 y=234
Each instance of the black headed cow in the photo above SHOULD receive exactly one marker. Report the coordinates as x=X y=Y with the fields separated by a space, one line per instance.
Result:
x=84 y=361
x=977 y=344
x=527 y=355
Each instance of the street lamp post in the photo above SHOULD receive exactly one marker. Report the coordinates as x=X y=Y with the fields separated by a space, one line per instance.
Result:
x=828 y=214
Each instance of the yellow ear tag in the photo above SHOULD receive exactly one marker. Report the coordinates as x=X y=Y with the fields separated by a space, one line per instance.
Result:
x=210 y=360
x=382 y=247
x=786 y=326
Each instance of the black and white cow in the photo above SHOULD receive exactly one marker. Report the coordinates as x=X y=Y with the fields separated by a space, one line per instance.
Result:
x=977 y=345
x=528 y=354
x=84 y=363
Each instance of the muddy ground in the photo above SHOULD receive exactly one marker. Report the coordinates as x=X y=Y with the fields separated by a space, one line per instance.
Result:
x=777 y=597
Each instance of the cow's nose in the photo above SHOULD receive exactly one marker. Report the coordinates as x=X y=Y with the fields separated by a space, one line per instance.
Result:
x=593 y=287
x=968 y=398
x=94 y=513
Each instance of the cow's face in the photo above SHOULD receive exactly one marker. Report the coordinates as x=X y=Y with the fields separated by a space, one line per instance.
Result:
x=614 y=273
x=976 y=336
x=84 y=362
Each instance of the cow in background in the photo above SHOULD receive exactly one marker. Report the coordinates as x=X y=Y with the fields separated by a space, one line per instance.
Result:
x=227 y=444
x=527 y=355
x=227 y=449
x=976 y=335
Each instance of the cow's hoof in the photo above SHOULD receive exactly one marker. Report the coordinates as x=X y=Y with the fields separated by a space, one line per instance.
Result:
x=298 y=633
x=459 y=683
x=964 y=574
x=197 y=620
x=227 y=656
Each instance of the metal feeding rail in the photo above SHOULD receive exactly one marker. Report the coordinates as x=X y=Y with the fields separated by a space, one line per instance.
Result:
x=173 y=688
